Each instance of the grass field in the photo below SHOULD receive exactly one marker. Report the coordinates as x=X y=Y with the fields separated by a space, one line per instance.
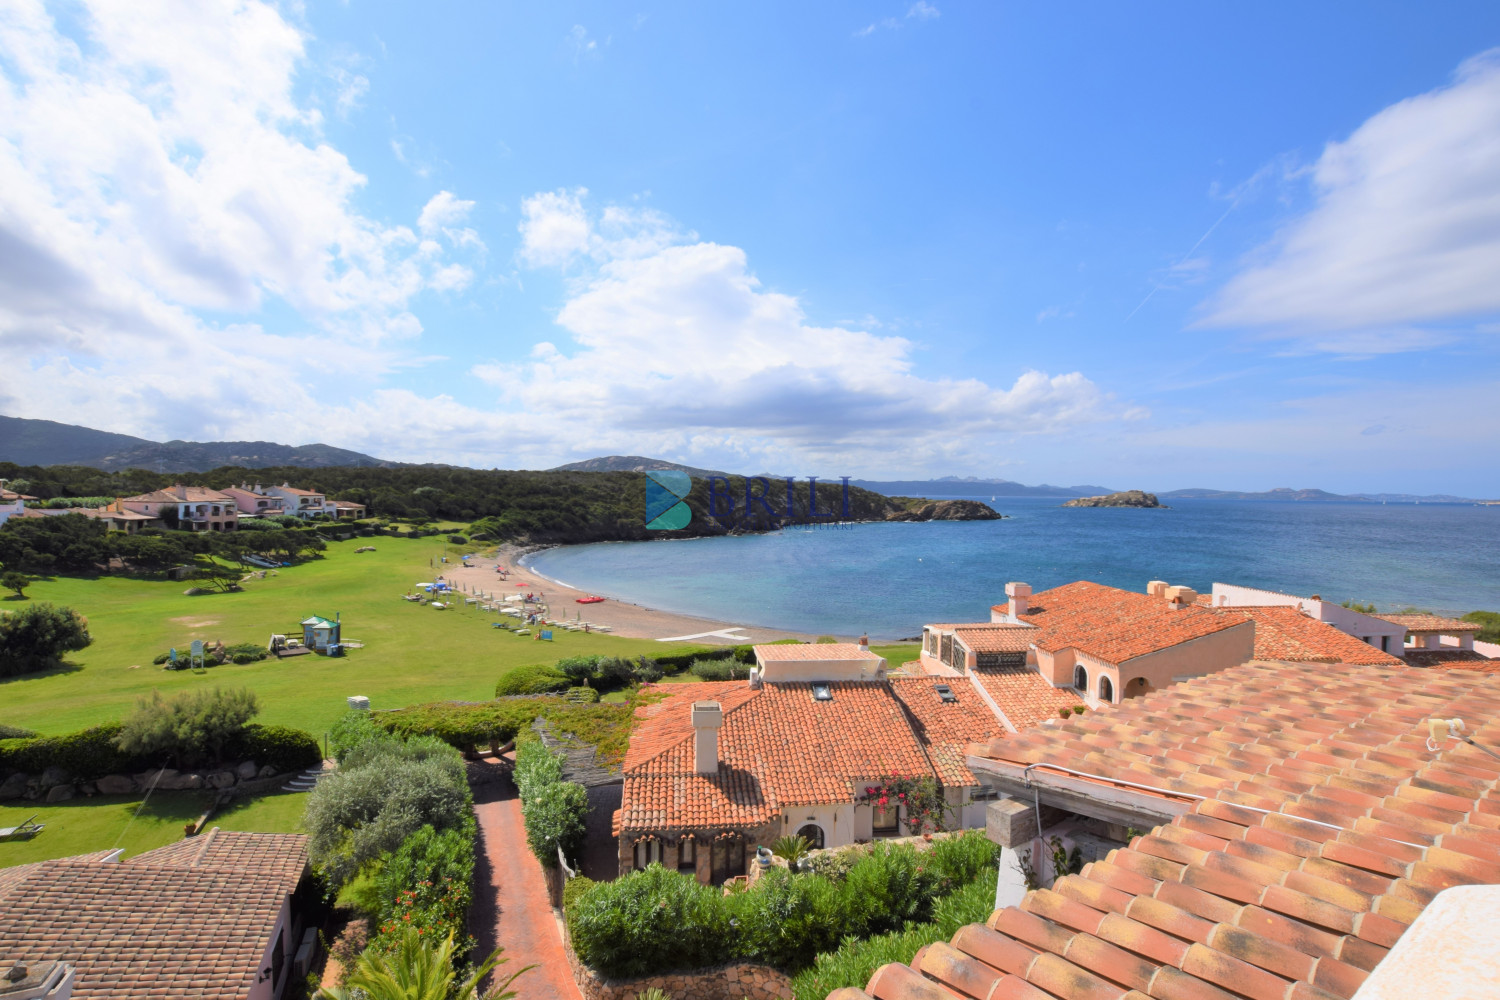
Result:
x=413 y=654
x=105 y=822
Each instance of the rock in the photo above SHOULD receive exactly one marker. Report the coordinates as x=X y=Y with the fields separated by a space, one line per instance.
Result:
x=266 y=771
x=945 y=510
x=1128 y=498
x=88 y=788
x=59 y=793
x=246 y=770
x=13 y=787
x=115 y=784
x=53 y=776
x=156 y=779
x=181 y=783
x=221 y=779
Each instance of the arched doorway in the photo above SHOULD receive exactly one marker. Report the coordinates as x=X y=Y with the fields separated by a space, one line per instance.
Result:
x=1136 y=687
x=1106 y=690
x=813 y=834
x=1080 y=679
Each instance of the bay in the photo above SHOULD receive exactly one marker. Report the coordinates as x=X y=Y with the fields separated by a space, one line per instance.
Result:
x=890 y=579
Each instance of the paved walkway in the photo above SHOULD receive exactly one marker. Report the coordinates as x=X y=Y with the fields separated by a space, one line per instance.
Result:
x=511 y=909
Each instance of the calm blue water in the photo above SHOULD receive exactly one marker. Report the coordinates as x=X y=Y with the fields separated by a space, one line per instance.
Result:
x=889 y=579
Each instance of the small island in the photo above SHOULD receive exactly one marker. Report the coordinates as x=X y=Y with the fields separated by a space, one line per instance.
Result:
x=1127 y=498
x=920 y=509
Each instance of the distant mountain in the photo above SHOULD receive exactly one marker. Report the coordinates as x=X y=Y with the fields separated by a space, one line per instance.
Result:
x=1315 y=496
x=953 y=486
x=46 y=442
x=633 y=463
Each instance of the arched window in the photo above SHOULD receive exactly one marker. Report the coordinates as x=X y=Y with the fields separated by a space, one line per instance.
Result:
x=1106 y=690
x=1080 y=678
x=813 y=834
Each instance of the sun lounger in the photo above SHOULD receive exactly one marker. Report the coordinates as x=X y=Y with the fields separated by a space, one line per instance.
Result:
x=25 y=831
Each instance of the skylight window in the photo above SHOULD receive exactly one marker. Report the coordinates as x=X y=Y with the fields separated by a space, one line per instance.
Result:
x=945 y=693
x=822 y=692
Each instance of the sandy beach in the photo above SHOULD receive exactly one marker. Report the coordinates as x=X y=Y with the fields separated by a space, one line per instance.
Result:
x=620 y=617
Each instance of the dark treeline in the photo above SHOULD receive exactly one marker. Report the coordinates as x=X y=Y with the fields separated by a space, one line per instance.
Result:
x=500 y=505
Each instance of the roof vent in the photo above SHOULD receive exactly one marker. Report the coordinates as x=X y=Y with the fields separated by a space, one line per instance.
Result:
x=822 y=692
x=945 y=693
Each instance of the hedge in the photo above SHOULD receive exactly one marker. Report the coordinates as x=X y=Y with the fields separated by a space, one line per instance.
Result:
x=464 y=727
x=658 y=920
x=553 y=810
x=536 y=679
x=85 y=755
x=92 y=753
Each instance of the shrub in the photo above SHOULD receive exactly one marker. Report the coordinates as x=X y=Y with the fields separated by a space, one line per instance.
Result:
x=791 y=848
x=458 y=540
x=252 y=650
x=351 y=729
x=586 y=695
x=463 y=727
x=242 y=658
x=646 y=670
x=192 y=722
x=960 y=859
x=555 y=817
x=17 y=582
x=886 y=888
x=281 y=747
x=385 y=791
x=833 y=865
x=573 y=889
x=968 y=904
x=787 y=918
x=648 y=921
x=536 y=768
x=16 y=733
x=161 y=658
x=1489 y=622
x=428 y=882
x=856 y=960
x=85 y=755
x=37 y=636
x=578 y=669
x=537 y=679
x=715 y=670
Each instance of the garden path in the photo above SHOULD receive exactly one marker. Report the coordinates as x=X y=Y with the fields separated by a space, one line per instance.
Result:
x=511 y=909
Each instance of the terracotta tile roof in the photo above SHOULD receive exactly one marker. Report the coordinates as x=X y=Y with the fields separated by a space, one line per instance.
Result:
x=1024 y=695
x=1452 y=659
x=138 y=929
x=815 y=651
x=996 y=638
x=947 y=728
x=347 y=504
x=1430 y=623
x=780 y=747
x=1115 y=625
x=1285 y=633
x=1327 y=827
x=182 y=494
x=295 y=491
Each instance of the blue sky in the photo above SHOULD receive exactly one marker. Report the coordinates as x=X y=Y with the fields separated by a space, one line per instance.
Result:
x=1155 y=245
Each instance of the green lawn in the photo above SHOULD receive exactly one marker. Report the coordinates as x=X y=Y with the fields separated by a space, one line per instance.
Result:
x=105 y=822
x=413 y=654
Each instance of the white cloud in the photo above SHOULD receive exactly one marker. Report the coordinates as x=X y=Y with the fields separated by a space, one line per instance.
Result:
x=157 y=166
x=581 y=43
x=677 y=342
x=923 y=11
x=1405 y=227
x=920 y=11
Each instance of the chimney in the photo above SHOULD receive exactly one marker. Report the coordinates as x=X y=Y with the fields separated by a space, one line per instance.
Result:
x=864 y=643
x=708 y=718
x=40 y=981
x=1157 y=588
x=1020 y=595
x=1181 y=597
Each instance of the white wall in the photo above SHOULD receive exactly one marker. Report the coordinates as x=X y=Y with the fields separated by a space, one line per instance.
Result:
x=837 y=822
x=1365 y=628
x=791 y=671
x=6 y=510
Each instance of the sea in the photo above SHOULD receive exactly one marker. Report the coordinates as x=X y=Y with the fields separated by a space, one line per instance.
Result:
x=888 y=579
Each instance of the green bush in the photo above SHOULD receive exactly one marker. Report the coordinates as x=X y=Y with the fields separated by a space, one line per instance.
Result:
x=385 y=791
x=573 y=889
x=351 y=729
x=650 y=921
x=85 y=755
x=243 y=658
x=16 y=733
x=585 y=695
x=196 y=723
x=537 y=679
x=428 y=882
x=886 y=888
x=959 y=859
x=1489 y=622
x=555 y=816
x=536 y=768
x=281 y=747
x=37 y=636
x=717 y=670
x=457 y=540
x=578 y=669
x=161 y=658
x=855 y=960
x=786 y=919
x=463 y=727
x=968 y=904
x=253 y=651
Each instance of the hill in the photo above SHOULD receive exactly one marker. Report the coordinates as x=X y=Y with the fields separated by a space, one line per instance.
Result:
x=952 y=486
x=47 y=442
x=634 y=463
x=1312 y=496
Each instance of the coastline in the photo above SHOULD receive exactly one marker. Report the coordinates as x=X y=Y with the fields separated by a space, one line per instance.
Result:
x=622 y=618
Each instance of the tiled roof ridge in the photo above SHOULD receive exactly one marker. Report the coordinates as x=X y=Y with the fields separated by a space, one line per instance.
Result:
x=676 y=697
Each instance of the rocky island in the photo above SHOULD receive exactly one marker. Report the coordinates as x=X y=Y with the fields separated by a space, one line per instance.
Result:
x=918 y=509
x=1127 y=498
